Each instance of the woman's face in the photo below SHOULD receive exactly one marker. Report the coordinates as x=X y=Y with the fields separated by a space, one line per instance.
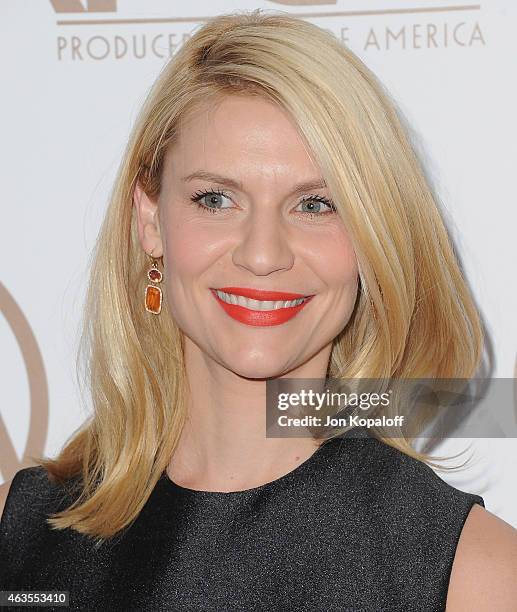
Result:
x=250 y=229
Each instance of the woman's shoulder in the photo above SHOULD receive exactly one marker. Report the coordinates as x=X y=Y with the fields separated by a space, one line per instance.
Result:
x=484 y=572
x=28 y=495
x=34 y=474
x=29 y=499
x=12 y=488
x=402 y=480
x=480 y=547
x=402 y=497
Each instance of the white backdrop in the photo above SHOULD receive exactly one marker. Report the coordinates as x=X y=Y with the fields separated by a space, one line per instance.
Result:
x=73 y=76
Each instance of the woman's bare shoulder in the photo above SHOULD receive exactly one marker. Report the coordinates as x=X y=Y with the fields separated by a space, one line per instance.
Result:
x=484 y=571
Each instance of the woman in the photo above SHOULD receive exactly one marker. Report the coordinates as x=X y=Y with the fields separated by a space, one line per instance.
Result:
x=253 y=169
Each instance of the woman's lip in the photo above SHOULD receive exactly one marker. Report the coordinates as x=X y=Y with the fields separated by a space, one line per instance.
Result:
x=249 y=316
x=259 y=294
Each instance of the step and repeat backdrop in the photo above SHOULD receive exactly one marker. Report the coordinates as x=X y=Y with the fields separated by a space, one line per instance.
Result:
x=73 y=76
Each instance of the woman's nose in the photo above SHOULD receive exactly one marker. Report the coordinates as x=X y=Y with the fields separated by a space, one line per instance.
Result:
x=264 y=244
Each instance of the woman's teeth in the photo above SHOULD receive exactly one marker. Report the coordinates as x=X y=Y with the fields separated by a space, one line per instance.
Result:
x=238 y=300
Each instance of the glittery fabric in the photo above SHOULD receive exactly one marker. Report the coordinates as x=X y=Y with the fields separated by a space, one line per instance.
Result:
x=358 y=527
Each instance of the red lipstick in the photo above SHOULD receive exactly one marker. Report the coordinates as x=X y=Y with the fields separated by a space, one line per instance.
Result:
x=261 y=317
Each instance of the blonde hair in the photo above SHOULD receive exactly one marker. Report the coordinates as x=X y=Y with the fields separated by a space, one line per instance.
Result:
x=414 y=316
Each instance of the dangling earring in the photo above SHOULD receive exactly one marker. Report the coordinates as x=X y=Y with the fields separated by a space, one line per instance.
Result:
x=153 y=294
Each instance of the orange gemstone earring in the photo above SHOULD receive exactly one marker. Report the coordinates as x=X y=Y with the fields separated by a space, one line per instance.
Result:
x=153 y=294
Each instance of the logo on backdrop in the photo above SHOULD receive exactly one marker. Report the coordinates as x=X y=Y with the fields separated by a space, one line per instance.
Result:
x=96 y=30
x=38 y=391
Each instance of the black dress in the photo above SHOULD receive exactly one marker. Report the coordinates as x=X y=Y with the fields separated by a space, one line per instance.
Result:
x=359 y=526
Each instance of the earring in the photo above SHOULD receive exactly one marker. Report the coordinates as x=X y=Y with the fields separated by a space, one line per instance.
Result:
x=153 y=294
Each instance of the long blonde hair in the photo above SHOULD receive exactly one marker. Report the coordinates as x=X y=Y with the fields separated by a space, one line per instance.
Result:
x=414 y=316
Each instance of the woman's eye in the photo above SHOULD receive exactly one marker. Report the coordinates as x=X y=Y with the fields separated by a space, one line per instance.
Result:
x=317 y=205
x=211 y=201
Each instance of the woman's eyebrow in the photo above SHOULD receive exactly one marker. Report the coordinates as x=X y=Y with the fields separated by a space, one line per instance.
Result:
x=229 y=182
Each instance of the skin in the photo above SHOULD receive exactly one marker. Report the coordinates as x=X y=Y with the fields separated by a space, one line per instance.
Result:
x=263 y=242
x=261 y=239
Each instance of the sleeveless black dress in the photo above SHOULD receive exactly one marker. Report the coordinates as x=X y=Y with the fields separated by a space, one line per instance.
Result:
x=359 y=526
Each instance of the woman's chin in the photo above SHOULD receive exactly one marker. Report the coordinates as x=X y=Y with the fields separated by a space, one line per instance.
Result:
x=256 y=371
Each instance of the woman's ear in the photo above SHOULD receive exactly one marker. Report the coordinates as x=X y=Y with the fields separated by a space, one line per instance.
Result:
x=147 y=222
